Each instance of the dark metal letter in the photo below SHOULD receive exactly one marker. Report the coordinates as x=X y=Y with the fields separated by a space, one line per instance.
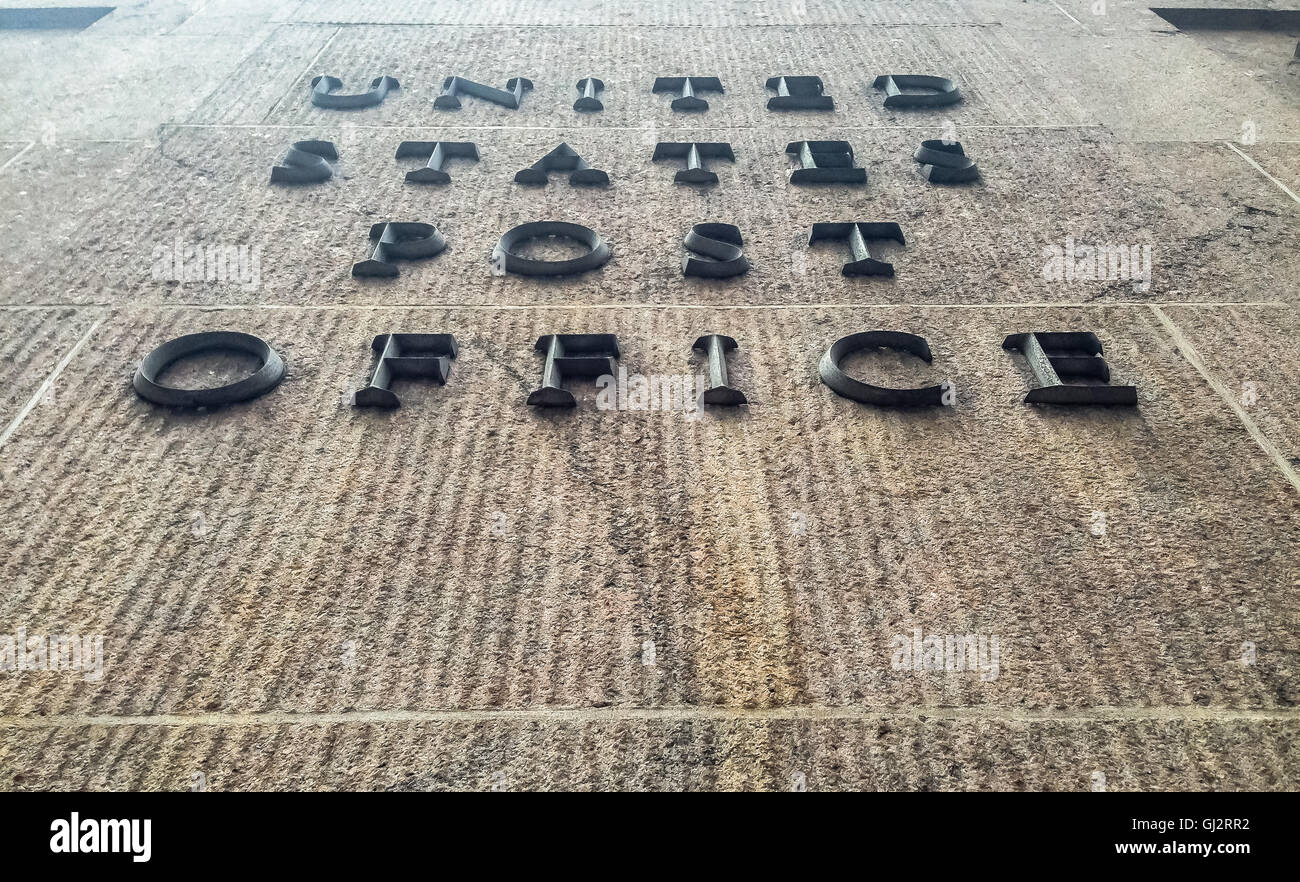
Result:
x=825 y=162
x=798 y=93
x=686 y=87
x=720 y=245
x=596 y=256
x=405 y=356
x=399 y=241
x=438 y=152
x=562 y=158
x=588 y=102
x=307 y=162
x=694 y=154
x=1052 y=356
x=863 y=264
x=454 y=87
x=322 y=93
x=572 y=355
x=942 y=91
x=945 y=162
x=842 y=384
x=266 y=378
x=720 y=391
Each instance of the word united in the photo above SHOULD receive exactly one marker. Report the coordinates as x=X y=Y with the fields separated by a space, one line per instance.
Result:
x=792 y=92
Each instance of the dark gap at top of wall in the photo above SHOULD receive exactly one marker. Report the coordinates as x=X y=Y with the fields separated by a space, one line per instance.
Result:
x=52 y=18
x=1230 y=19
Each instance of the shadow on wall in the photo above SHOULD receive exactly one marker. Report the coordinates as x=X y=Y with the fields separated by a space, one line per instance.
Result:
x=53 y=18
x=1231 y=19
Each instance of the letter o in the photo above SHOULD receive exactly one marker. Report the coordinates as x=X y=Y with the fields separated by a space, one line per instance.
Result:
x=266 y=378
x=597 y=251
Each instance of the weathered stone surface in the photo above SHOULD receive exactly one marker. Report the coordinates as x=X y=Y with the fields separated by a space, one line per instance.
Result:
x=771 y=554
x=88 y=86
x=664 y=752
x=33 y=343
x=50 y=200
